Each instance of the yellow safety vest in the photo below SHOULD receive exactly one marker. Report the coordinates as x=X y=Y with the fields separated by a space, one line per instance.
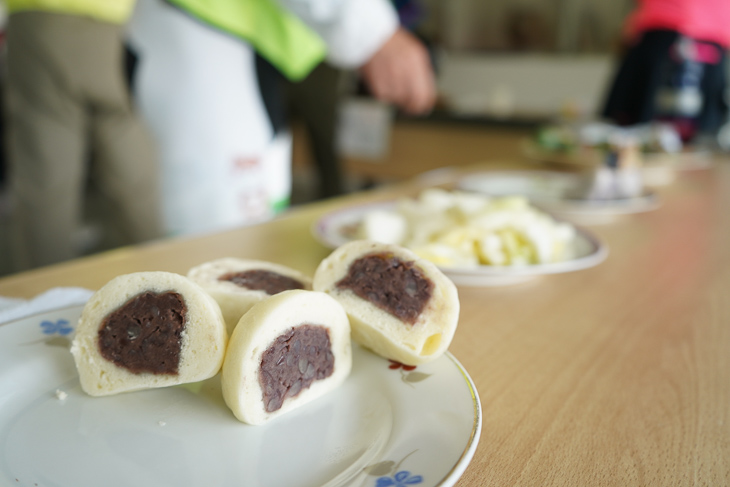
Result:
x=115 y=11
x=275 y=33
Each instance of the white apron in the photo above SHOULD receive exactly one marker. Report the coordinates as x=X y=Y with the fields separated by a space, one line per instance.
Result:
x=222 y=165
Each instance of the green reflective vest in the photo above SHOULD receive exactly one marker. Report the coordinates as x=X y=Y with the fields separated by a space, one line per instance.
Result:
x=277 y=35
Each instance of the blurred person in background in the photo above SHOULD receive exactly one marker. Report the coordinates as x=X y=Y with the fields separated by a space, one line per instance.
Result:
x=67 y=104
x=316 y=100
x=315 y=103
x=673 y=68
x=208 y=83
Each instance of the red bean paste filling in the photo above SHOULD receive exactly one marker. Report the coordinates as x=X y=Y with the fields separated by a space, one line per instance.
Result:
x=390 y=283
x=145 y=333
x=295 y=360
x=261 y=280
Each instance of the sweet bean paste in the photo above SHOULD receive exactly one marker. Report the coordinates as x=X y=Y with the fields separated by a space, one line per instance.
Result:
x=295 y=360
x=261 y=280
x=390 y=283
x=145 y=333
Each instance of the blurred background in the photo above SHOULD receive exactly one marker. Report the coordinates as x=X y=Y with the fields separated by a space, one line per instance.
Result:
x=503 y=68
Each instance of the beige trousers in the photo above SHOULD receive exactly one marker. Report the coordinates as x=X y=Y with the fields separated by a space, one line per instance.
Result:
x=70 y=124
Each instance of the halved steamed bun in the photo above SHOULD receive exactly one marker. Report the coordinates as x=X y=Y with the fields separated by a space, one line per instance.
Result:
x=400 y=306
x=238 y=284
x=146 y=330
x=286 y=351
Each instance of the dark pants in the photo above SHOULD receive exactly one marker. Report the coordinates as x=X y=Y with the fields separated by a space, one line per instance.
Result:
x=315 y=101
x=641 y=72
x=66 y=101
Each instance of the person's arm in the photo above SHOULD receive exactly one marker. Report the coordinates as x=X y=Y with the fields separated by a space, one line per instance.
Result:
x=366 y=34
x=400 y=72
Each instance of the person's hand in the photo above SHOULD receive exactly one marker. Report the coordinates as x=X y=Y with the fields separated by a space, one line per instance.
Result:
x=400 y=73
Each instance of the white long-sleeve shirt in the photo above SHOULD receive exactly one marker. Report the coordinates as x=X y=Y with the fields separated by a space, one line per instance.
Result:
x=353 y=30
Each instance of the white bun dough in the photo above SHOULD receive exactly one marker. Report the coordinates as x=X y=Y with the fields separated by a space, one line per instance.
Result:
x=203 y=339
x=385 y=334
x=233 y=299
x=256 y=333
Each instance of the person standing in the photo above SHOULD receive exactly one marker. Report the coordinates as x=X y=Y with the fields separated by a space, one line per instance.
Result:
x=207 y=84
x=70 y=119
x=673 y=68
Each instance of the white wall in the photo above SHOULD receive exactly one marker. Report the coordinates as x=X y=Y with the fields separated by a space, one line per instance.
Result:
x=529 y=85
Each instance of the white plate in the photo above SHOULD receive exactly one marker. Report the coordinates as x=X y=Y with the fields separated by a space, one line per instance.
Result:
x=658 y=169
x=338 y=227
x=689 y=159
x=383 y=427
x=551 y=191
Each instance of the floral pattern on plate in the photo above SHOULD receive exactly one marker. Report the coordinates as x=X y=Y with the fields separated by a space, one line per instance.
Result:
x=408 y=375
x=58 y=327
x=390 y=475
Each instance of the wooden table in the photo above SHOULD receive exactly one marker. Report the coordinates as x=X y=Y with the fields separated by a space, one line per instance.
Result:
x=616 y=375
x=418 y=146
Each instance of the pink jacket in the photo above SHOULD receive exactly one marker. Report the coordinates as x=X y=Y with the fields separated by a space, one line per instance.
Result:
x=704 y=20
